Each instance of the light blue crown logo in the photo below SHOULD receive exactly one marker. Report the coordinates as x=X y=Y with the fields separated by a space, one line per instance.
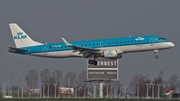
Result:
x=139 y=38
x=20 y=36
x=19 y=33
x=110 y=53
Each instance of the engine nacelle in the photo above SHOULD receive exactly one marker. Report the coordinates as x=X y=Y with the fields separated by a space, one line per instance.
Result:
x=112 y=54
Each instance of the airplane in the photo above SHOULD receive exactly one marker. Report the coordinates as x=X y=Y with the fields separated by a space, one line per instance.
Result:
x=111 y=48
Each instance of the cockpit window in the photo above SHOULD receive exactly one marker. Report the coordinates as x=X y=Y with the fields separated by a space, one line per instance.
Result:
x=162 y=38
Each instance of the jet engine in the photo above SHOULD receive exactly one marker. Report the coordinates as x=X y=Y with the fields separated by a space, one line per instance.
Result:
x=112 y=53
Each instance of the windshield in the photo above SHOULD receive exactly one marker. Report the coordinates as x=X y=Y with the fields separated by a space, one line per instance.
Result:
x=162 y=38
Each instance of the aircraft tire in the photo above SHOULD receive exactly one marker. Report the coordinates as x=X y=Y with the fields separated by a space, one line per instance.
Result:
x=90 y=62
x=95 y=63
x=156 y=56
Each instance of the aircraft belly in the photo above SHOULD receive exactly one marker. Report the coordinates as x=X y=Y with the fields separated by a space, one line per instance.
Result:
x=76 y=54
x=122 y=48
x=148 y=47
x=63 y=54
x=160 y=46
x=56 y=54
x=125 y=48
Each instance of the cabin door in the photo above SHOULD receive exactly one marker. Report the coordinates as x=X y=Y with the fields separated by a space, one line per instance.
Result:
x=151 y=41
x=45 y=50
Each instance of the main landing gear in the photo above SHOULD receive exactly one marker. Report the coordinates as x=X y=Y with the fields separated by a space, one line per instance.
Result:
x=92 y=62
x=155 y=54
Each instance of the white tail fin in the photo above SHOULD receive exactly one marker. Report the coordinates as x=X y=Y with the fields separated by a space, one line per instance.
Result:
x=21 y=39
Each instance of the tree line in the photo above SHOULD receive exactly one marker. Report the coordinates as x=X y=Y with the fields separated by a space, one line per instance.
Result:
x=58 y=78
x=69 y=79
x=141 y=85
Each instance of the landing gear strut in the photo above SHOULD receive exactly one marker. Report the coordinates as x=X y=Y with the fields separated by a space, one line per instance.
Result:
x=155 y=54
x=92 y=62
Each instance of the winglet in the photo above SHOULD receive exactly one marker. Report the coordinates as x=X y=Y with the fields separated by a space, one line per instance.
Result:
x=67 y=43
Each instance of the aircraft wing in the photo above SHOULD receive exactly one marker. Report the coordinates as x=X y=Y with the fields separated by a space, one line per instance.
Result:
x=13 y=49
x=83 y=50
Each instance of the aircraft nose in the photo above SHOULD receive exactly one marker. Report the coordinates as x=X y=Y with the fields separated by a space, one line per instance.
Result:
x=171 y=44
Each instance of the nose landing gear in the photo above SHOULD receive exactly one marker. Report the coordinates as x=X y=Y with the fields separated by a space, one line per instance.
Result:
x=155 y=54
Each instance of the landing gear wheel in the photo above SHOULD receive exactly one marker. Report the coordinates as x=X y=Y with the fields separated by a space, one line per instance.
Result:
x=95 y=63
x=92 y=62
x=156 y=56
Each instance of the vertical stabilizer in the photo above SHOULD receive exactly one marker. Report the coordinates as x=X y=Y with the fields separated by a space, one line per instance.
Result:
x=21 y=39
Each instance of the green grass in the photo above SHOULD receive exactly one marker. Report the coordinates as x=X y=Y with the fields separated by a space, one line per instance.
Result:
x=81 y=99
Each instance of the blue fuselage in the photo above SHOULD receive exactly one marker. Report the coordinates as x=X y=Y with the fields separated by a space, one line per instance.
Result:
x=126 y=44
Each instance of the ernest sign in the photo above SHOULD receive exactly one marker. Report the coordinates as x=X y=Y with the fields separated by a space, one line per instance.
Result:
x=104 y=70
x=104 y=63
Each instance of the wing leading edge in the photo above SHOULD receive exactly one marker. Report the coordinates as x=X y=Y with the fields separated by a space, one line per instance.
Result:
x=86 y=51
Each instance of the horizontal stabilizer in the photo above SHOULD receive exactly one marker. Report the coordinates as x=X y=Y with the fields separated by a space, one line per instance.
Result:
x=15 y=50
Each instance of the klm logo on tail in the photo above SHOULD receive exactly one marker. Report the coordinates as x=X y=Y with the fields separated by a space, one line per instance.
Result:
x=20 y=36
